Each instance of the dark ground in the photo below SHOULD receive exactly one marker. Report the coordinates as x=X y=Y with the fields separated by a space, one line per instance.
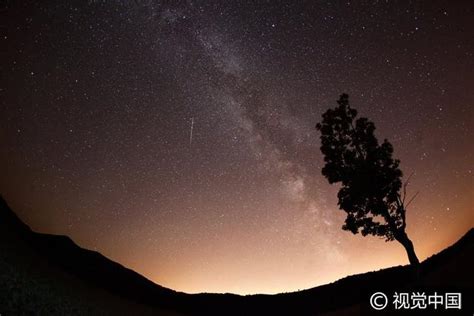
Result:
x=44 y=274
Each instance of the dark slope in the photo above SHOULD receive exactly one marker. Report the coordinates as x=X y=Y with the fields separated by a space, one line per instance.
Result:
x=47 y=274
x=53 y=274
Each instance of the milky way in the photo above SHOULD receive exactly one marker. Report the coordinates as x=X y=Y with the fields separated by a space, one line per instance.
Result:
x=179 y=139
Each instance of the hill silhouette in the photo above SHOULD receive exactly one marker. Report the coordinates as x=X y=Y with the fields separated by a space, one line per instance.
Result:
x=49 y=274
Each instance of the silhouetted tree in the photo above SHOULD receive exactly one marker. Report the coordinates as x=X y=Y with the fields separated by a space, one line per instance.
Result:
x=370 y=177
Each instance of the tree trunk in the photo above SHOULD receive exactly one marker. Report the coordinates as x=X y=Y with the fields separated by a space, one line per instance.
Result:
x=402 y=237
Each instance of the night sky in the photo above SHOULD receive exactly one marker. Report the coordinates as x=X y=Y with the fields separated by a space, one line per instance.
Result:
x=178 y=138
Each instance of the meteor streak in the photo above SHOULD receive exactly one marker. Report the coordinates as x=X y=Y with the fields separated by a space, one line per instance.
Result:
x=191 y=133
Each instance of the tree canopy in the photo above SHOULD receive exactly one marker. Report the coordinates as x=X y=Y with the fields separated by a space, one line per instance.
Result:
x=370 y=177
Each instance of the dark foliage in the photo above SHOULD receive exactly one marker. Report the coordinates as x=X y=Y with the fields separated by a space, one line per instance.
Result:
x=369 y=175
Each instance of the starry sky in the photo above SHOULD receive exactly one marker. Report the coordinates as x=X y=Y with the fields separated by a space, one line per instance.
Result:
x=177 y=137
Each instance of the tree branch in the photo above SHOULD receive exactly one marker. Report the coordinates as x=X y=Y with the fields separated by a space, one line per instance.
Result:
x=411 y=200
x=405 y=188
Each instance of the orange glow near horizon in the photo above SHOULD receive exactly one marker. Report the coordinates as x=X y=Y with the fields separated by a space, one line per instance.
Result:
x=252 y=263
